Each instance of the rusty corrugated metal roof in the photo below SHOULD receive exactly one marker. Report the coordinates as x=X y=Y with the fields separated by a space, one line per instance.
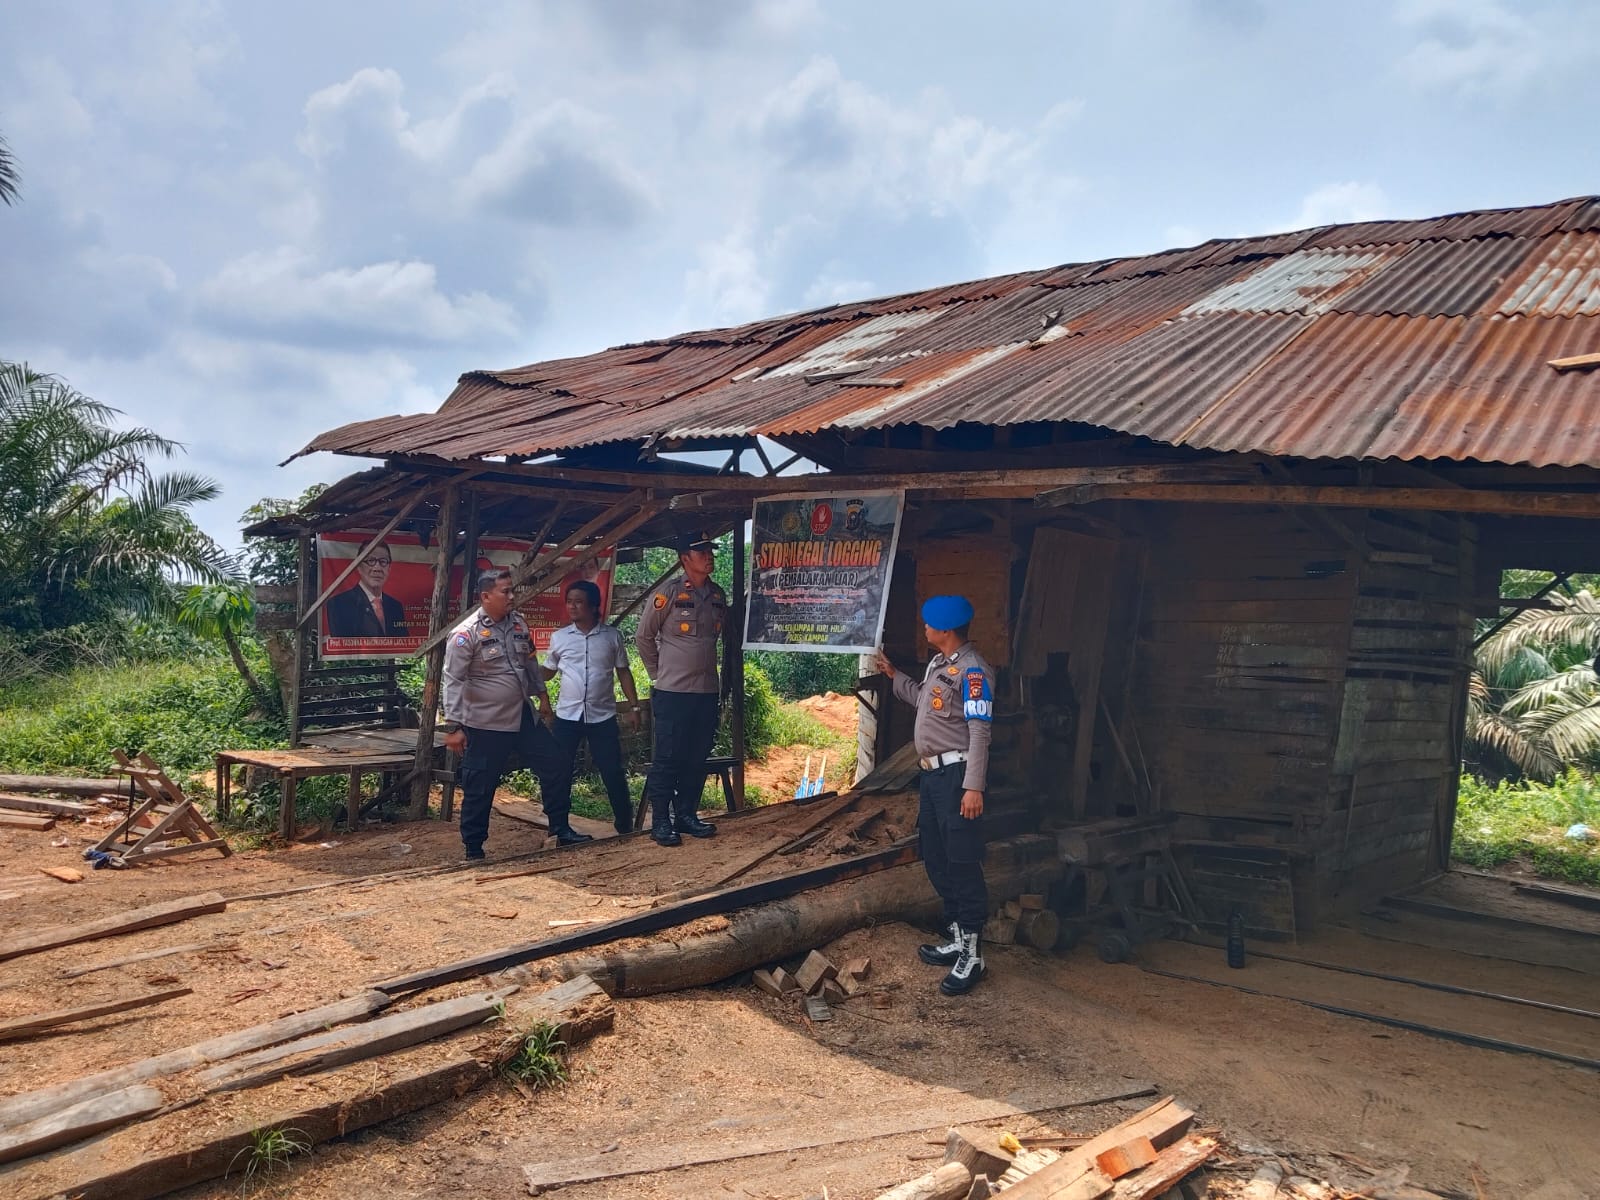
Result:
x=1408 y=339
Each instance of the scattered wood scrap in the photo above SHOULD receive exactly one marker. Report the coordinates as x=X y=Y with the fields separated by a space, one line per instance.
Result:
x=139 y=918
x=1076 y=1173
x=41 y=804
x=17 y=820
x=64 y=874
x=66 y=785
x=21 y=1027
x=154 y=1158
x=528 y=814
x=950 y=1181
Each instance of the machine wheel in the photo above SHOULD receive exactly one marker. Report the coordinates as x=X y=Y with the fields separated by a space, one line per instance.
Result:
x=1113 y=947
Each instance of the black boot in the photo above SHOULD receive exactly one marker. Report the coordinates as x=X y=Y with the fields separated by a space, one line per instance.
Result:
x=968 y=970
x=694 y=826
x=946 y=952
x=571 y=837
x=663 y=834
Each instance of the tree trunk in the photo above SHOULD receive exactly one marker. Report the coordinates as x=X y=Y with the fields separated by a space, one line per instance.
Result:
x=787 y=928
x=284 y=656
x=263 y=697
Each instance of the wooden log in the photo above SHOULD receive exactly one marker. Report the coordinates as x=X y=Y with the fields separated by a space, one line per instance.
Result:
x=529 y=814
x=152 y=1160
x=978 y=1150
x=139 y=918
x=1039 y=928
x=951 y=1181
x=16 y=820
x=1178 y=1160
x=79 y=1121
x=29 y=1106
x=1074 y=1176
x=20 y=1027
x=320 y=1051
x=41 y=804
x=66 y=785
x=787 y=927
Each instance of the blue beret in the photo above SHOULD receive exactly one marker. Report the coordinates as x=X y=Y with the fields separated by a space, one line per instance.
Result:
x=946 y=612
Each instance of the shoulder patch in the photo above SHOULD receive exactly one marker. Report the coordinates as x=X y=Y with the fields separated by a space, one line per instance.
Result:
x=462 y=639
x=978 y=705
x=660 y=601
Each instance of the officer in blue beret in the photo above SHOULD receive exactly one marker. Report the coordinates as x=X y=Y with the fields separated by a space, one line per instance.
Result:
x=955 y=709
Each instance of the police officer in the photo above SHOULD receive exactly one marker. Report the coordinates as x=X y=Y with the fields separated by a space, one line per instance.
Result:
x=490 y=675
x=677 y=641
x=954 y=704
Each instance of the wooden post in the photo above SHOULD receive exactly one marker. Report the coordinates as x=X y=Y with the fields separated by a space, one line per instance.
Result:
x=469 y=596
x=733 y=655
x=445 y=531
x=305 y=639
x=288 y=787
x=352 y=803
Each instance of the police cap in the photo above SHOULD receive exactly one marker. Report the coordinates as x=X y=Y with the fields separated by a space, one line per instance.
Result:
x=695 y=539
x=946 y=612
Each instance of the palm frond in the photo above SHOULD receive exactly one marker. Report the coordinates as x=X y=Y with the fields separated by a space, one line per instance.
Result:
x=8 y=175
x=1511 y=744
x=1575 y=735
x=1574 y=684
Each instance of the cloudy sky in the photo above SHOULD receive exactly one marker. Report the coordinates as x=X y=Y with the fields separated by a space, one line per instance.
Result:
x=245 y=223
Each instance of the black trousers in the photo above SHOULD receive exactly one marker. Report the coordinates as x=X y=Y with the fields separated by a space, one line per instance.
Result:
x=605 y=750
x=952 y=847
x=484 y=763
x=685 y=728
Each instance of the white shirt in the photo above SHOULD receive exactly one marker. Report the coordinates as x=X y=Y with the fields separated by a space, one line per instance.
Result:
x=588 y=665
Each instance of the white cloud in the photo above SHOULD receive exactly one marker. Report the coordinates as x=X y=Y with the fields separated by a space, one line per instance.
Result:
x=281 y=294
x=1472 y=46
x=1339 y=203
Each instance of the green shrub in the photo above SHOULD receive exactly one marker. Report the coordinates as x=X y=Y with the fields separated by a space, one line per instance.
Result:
x=1501 y=823
x=795 y=676
x=180 y=712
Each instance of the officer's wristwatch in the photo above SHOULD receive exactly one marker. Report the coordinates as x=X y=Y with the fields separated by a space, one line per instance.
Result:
x=450 y=727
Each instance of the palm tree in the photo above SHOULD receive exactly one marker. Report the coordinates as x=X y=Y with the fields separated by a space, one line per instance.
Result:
x=8 y=175
x=226 y=611
x=85 y=529
x=1534 y=699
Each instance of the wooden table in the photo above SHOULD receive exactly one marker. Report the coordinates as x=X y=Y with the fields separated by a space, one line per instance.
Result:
x=291 y=766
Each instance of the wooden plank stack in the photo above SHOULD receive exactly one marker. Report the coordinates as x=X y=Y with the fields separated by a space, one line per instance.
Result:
x=1142 y=1158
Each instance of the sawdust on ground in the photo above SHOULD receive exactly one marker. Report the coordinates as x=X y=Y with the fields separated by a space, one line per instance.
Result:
x=727 y=1066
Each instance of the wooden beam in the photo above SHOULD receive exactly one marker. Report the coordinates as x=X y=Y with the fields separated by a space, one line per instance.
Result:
x=66 y=785
x=138 y=918
x=438 y=628
x=21 y=1027
x=373 y=543
x=29 y=1106
x=80 y=1121
x=1499 y=503
x=733 y=651
x=1035 y=478
x=1578 y=362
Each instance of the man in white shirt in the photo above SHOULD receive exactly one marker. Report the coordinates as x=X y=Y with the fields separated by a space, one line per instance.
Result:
x=591 y=658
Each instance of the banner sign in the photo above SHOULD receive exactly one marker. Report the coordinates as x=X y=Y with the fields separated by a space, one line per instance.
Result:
x=381 y=611
x=819 y=571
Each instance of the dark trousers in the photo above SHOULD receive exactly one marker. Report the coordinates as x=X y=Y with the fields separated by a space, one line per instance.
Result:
x=484 y=763
x=952 y=847
x=685 y=727
x=605 y=750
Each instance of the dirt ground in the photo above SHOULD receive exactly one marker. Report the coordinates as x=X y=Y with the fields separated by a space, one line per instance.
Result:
x=730 y=1070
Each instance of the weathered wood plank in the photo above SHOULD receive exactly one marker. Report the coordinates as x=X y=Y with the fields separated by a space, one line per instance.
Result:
x=66 y=785
x=79 y=1121
x=140 y=918
x=20 y=1027
x=40 y=804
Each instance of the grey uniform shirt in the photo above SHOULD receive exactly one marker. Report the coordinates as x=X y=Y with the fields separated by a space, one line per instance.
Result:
x=588 y=664
x=955 y=706
x=490 y=671
x=677 y=636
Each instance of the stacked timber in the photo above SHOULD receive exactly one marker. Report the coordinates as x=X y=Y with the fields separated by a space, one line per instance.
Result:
x=1142 y=1158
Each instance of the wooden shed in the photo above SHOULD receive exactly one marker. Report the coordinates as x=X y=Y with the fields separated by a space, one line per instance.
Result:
x=1228 y=514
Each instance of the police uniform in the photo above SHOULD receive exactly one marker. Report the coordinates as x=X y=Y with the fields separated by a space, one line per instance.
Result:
x=490 y=673
x=677 y=641
x=955 y=707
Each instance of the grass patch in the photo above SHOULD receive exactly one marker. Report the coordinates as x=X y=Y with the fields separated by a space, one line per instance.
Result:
x=269 y=1149
x=540 y=1061
x=1528 y=822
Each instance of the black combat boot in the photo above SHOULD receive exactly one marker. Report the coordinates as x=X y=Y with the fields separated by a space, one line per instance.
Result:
x=968 y=970
x=946 y=952
x=663 y=834
x=691 y=824
x=571 y=837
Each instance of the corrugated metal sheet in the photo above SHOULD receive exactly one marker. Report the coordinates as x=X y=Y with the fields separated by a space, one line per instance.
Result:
x=1564 y=283
x=1410 y=339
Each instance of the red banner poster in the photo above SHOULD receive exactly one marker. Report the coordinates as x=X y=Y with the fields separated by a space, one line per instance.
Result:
x=381 y=610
